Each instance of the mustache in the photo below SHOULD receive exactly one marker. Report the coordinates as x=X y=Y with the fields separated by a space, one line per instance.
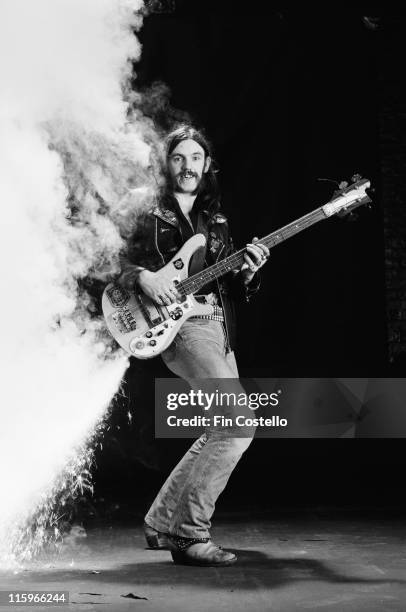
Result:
x=188 y=174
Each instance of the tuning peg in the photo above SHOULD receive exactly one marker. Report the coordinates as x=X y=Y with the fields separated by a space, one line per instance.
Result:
x=356 y=177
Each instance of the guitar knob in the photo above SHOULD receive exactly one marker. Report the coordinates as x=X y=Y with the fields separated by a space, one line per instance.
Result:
x=148 y=334
x=136 y=346
x=152 y=342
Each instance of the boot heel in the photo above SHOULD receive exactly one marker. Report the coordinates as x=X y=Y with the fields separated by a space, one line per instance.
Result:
x=152 y=541
x=155 y=539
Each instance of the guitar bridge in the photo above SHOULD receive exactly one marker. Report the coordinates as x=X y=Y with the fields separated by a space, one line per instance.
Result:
x=124 y=320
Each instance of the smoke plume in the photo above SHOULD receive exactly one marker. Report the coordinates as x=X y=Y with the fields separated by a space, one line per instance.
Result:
x=70 y=153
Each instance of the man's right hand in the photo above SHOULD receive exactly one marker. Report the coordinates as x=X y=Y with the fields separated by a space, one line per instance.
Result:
x=160 y=290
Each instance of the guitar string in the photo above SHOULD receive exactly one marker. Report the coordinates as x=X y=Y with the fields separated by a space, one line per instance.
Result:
x=193 y=283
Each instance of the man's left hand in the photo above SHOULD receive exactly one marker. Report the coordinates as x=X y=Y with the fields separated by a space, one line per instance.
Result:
x=256 y=256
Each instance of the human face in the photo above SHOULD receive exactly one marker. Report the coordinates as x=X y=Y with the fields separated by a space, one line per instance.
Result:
x=186 y=164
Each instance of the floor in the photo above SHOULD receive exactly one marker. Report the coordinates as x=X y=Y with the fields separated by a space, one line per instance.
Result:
x=288 y=564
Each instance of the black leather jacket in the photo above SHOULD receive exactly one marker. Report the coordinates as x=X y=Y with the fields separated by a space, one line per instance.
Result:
x=158 y=235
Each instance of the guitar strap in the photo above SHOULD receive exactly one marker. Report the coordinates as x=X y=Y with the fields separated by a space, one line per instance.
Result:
x=197 y=263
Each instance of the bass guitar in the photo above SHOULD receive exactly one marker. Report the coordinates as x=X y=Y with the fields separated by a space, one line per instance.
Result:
x=144 y=329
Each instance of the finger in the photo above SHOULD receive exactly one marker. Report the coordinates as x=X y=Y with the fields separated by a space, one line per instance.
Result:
x=255 y=246
x=172 y=292
x=165 y=299
x=250 y=263
x=169 y=295
x=262 y=249
x=175 y=292
x=256 y=252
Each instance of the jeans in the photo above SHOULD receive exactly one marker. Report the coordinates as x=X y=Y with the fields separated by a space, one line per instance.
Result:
x=186 y=502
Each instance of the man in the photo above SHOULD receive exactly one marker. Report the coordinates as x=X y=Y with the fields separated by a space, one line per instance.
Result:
x=203 y=348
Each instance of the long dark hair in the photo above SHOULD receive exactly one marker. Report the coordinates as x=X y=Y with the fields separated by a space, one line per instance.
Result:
x=208 y=188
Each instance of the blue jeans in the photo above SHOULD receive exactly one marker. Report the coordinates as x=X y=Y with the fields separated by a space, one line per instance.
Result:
x=186 y=502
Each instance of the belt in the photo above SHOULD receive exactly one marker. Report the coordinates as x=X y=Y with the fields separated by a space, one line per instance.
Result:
x=211 y=299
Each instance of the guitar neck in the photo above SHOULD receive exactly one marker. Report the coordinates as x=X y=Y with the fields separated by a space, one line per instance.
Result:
x=193 y=283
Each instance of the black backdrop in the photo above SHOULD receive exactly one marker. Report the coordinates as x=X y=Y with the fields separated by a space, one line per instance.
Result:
x=287 y=98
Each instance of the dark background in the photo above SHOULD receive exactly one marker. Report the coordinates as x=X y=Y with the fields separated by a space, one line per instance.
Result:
x=287 y=97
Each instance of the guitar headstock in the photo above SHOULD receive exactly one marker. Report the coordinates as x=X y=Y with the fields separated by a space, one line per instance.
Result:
x=349 y=197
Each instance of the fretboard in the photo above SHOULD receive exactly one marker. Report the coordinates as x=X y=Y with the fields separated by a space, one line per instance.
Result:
x=192 y=284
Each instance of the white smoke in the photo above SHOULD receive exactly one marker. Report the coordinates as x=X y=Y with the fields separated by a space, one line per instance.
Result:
x=68 y=154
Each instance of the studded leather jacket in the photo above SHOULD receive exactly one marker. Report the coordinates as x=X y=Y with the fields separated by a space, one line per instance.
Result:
x=159 y=234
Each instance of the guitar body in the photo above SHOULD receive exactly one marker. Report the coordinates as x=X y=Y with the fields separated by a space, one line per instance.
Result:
x=143 y=328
